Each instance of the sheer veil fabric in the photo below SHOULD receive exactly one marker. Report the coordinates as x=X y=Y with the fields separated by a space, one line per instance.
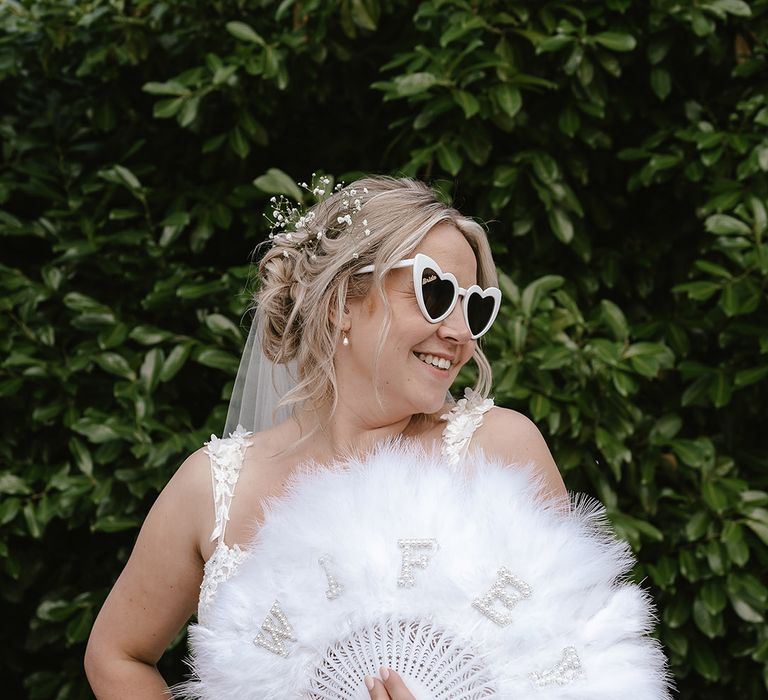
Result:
x=259 y=386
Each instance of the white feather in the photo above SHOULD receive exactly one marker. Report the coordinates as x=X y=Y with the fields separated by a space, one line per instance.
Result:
x=355 y=512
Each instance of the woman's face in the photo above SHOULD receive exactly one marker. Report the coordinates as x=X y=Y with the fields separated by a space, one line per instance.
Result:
x=407 y=383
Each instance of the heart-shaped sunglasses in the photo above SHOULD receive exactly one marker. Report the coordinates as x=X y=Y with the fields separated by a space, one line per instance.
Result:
x=437 y=293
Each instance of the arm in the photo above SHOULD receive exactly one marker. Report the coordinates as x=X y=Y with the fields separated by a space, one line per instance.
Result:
x=157 y=591
x=514 y=438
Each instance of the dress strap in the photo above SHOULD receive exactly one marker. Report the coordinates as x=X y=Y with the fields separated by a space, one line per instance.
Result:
x=461 y=422
x=226 y=457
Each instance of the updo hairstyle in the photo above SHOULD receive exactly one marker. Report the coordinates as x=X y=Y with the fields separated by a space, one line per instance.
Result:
x=305 y=281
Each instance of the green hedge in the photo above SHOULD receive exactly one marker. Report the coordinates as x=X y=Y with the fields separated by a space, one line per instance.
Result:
x=618 y=152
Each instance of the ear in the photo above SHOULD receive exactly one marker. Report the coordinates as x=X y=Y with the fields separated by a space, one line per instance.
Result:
x=340 y=315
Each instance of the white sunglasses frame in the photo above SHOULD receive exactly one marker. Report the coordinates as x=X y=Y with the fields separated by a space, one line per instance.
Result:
x=420 y=262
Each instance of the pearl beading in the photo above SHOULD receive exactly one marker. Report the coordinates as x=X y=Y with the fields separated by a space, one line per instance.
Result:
x=411 y=559
x=335 y=589
x=276 y=625
x=565 y=671
x=508 y=598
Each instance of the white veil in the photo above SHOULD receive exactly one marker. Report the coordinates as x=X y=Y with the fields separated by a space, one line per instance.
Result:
x=259 y=386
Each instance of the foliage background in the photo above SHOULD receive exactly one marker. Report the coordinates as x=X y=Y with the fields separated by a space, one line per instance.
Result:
x=618 y=152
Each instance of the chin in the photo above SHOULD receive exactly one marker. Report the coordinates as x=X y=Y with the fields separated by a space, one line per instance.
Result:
x=430 y=404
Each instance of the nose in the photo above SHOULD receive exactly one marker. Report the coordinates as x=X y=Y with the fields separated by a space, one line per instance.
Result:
x=454 y=326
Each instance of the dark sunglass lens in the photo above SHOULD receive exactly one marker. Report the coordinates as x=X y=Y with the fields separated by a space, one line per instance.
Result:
x=437 y=293
x=479 y=309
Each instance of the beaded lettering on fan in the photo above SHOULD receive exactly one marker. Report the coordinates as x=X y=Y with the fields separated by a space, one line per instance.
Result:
x=436 y=664
x=565 y=671
x=226 y=456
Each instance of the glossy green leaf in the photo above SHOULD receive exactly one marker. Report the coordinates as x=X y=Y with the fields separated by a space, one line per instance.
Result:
x=171 y=87
x=113 y=523
x=116 y=364
x=275 y=181
x=720 y=389
x=12 y=484
x=127 y=177
x=734 y=7
x=661 y=83
x=82 y=456
x=745 y=377
x=148 y=335
x=677 y=612
x=244 y=32
x=151 y=367
x=697 y=525
x=217 y=359
x=535 y=291
x=174 y=361
x=711 y=625
x=467 y=101
x=704 y=661
x=733 y=537
x=561 y=224
x=724 y=225
x=449 y=158
x=414 y=83
x=509 y=99
x=615 y=319
x=554 y=43
x=616 y=41
x=713 y=597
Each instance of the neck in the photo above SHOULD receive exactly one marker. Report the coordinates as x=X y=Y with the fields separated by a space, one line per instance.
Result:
x=347 y=431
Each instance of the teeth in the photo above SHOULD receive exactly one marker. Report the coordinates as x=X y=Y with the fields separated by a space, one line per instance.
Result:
x=434 y=361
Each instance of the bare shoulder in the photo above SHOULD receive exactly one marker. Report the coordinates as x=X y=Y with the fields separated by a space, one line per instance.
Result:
x=515 y=438
x=189 y=495
x=193 y=475
x=192 y=480
x=502 y=426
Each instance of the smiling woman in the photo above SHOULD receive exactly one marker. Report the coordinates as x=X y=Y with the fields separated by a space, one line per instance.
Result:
x=340 y=271
x=369 y=545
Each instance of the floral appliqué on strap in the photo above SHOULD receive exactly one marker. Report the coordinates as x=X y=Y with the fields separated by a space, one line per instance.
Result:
x=226 y=457
x=462 y=421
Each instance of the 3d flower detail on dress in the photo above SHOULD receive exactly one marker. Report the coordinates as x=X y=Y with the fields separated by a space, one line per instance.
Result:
x=462 y=421
x=523 y=599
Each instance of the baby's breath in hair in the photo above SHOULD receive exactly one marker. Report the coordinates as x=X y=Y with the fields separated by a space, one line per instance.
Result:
x=295 y=226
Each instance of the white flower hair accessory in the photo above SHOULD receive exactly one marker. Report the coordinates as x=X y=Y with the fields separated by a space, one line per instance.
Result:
x=295 y=226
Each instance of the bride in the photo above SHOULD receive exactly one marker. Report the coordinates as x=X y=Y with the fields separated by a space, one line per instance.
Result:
x=363 y=520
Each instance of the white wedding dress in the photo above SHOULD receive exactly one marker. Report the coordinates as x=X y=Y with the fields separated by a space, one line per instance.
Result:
x=445 y=567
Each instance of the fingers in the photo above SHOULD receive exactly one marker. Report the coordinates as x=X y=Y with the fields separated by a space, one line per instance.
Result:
x=394 y=685
x=376 y=689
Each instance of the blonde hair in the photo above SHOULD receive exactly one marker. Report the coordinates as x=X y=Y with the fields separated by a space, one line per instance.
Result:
x=304 y=287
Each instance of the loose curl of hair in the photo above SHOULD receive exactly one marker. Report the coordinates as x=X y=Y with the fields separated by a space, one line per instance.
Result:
x=303 y=288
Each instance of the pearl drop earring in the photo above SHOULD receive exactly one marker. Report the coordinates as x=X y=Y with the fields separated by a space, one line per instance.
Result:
x=345 y=340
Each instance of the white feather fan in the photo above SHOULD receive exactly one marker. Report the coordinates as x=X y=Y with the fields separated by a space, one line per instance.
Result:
x=468 y=586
